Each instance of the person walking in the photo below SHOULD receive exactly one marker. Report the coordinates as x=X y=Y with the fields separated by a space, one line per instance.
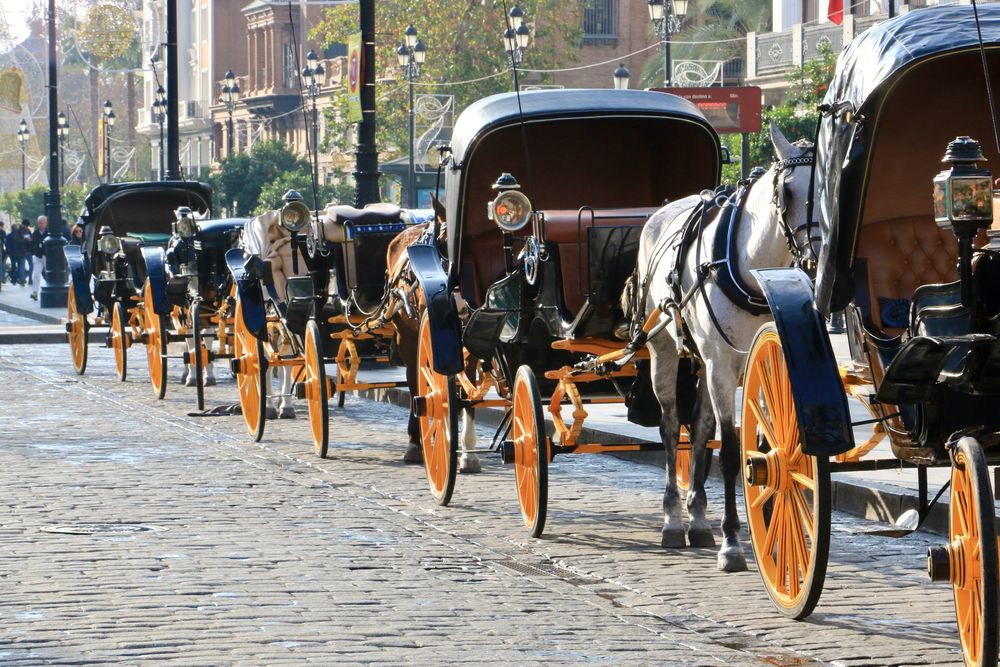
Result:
x=38 y=251
x=20 y=252
x=3 y=253
x=8 y=247
x=76 y=235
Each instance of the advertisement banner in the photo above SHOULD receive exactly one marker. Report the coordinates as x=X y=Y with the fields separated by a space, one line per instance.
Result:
x=355 y=78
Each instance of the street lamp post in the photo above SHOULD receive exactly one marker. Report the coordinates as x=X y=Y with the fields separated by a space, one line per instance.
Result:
x=667 y=17
x=411 y=55
x=109 y=122
x=621 y=77
x=62 y=129
x=22 y=136
x=312 y=75
x=159 y=116
x=517 y=36
x=230 y=96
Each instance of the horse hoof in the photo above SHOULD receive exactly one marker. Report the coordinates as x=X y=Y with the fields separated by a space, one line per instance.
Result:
x=731 y=559
x=209 y=381
x=414 y=454
x=287 y=413
x=672 y=539
x=701 y=538
x=188 y=381
x=270 y=413
x=469 y=464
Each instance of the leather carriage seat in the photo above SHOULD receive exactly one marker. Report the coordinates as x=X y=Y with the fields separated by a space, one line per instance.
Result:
x=274 y=243
x=373 y=214
x=902 y=254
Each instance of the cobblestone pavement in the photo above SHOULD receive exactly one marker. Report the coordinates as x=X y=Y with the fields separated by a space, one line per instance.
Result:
x=264 y=554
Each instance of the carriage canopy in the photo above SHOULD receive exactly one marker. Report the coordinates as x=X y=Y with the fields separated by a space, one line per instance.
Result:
x=902 y=90
x=596 y=148
x=144 y=207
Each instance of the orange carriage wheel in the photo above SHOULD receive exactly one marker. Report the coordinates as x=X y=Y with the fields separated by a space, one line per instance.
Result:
x=156 y=343
x=437 y=409
x=120 y=339
x=316 y=389
x=76 y=332
x=531 y=451
x=787 y=492
x=250 y=367
x=969 y=560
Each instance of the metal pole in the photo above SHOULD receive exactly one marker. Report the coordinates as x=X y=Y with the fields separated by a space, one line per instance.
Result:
x=53 y=290
x=107 y=152
x=162 y=166
x=62 y=160
x=666 y=52
x=412 y=181
x=745 y=156
x=366 y=156
x=229 y=135
x=23 y=144
x=315 y=143
x=173 y=121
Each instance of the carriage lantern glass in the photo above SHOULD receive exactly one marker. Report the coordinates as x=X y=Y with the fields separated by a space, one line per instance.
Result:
x=108 y=243
x=185 y=225
x=963 y=193
x=510 y=210
x=294 y=212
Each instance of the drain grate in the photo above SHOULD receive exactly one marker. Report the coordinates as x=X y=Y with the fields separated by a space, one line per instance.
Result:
x=99 y=529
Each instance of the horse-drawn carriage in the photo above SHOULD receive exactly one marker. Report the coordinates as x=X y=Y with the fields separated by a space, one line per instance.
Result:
x=919 y=280
x=122 y=222
x=310 y=292
x=191 y=285
x=546 y=197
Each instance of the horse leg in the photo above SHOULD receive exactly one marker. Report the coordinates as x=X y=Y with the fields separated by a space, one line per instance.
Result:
x=414 y=452
x=469 y=462
x=722 y=386
x=702 y=429
x=663 y=370
x=286 y=405
x=271 y=406
x=209 y=374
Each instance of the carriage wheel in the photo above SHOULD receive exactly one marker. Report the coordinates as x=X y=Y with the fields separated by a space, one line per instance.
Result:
x=438 y=419
x=200 y=353
x=248 y=352
x=77 y=328
x=787 y=492
x=531 y=451
x=120 y=339
x=156 y=344
x=969 y=560
x=316 y=389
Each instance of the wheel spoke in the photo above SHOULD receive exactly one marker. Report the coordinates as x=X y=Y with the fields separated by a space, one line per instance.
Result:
x=772 y=528
x=803 y=480
x=805 y=513
x=765 y=494
x=765 y=425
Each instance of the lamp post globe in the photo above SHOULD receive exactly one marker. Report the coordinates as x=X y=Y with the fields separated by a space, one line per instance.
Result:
x=621 y=77
x=411 y=55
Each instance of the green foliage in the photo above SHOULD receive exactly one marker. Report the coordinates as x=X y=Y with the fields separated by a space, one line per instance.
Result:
x=242 y=177
x=463 y=41
x=271 y=193
x=796 y=116
x=30 y=203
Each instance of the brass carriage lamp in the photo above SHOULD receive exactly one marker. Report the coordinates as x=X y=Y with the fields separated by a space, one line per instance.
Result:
x=510 y=210
x=184 y=227
x=621 y=77
x=107 y=242
x=963 y=201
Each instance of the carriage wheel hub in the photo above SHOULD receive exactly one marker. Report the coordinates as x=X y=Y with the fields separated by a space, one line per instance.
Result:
x=770 y=470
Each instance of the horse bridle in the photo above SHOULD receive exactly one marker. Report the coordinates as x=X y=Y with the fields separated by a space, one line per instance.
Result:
x=802 y=258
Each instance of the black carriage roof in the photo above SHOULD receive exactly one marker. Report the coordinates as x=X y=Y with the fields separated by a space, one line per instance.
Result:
x=867 y=71
x=151 y=197
x=502 y=109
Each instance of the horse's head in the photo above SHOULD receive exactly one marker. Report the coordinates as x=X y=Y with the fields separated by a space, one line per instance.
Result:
x=790 y=179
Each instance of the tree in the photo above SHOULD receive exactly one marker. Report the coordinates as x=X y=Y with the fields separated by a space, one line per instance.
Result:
x=30 y=203
x=242 y=177
x=464 y=44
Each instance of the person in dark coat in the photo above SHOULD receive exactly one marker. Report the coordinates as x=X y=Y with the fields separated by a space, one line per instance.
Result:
x=38 y=251
x=75 y=235
x=3 y=252
x=8 y=247
x=22 y=245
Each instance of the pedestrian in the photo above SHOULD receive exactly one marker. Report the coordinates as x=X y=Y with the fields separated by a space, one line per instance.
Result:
x=38 y=251
x=76 y=235
x=29 y=258
x=20 y=252
x=3 y=253
x=8 y=247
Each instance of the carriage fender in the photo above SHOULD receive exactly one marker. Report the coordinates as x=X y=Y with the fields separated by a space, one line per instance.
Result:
x=817 y=390
x=250 y=294
x=442 y=315
x=156 y=272
x=79 y=278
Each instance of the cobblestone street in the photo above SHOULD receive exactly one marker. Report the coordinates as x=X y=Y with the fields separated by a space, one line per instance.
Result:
x=248 y=553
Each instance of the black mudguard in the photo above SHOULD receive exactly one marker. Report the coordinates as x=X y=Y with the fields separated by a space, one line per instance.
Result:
x=156 y=273
x=442 y=313
x=820 y=400
x=250 y=294
x=79 y=273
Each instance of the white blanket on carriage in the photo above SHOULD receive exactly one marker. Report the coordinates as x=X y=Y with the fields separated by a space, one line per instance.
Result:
x=267 y=238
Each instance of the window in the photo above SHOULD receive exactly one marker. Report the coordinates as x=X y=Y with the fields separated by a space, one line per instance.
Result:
x=600 y=19
x=290 y=74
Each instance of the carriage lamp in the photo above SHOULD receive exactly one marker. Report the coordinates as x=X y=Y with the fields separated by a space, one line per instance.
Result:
x=963 y=201
x=185 y=225
x=510 y=210
x=621 y=77
x=294 y=212
x=108 y=243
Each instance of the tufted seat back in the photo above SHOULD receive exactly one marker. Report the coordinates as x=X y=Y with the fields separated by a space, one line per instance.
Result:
x=273 y=243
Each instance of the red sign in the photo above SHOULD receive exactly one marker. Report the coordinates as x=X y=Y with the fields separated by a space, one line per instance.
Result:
x=730 y=109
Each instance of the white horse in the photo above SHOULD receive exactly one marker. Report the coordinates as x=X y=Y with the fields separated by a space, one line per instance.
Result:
x=770 y=232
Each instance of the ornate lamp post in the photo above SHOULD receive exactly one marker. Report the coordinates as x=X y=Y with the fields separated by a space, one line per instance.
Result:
x=23 y=135
x=312 y=75
x=621 y=77
x=411 y=55
x=159 y=117
x=667 y=17
x=517 y=36
x=109 y=122
x=230 y=96
x=62 y=130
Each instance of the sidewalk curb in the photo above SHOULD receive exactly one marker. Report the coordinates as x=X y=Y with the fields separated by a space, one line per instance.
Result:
x=30 y=314
x=46 y=335
x=876 y=502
